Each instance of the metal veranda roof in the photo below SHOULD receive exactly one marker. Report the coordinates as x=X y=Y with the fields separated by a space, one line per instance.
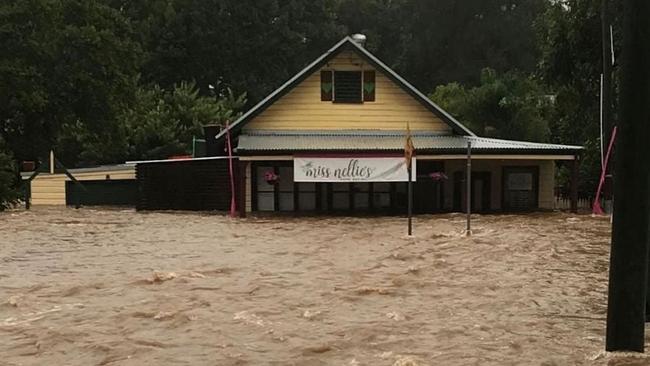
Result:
x=364 y=140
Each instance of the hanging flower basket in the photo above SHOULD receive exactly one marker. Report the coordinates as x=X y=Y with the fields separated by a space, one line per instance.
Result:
x=438 y=176
x=270 y=177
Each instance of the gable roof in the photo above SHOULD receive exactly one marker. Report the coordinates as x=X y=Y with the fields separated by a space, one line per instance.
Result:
x=344 y=44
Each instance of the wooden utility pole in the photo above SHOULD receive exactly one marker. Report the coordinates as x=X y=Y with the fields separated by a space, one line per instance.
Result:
x=607 y=71
x=410 y=201
x=409 y=150
x=628 y=275
x=575 y=174
x=606 y=91
x=468 y=200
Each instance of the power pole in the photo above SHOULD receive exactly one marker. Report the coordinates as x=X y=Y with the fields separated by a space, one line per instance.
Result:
x=628 y=275
x=468 y=192
x=607 y=70
x=606 y=92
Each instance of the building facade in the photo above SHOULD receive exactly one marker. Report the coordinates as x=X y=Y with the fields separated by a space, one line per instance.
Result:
x=311 y=144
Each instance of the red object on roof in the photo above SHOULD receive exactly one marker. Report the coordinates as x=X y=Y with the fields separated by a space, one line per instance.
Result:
x=28 y=166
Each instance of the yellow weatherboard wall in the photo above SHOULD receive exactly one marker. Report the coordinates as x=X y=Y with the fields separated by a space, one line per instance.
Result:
x=302 y=108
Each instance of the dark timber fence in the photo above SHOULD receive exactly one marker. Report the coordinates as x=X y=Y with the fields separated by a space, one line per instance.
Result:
x=197 y=185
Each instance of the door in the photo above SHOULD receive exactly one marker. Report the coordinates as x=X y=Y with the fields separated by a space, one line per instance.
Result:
x=340 y=196
x=427 y=192
x=360 y=196
x=459 y=189
x=520 y=188
x=264 y=191
x=273 y=188
x=110 y=192
x=381 y=196
x=481 y=192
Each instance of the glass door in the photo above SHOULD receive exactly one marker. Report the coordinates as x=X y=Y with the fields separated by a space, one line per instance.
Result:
x=381 y=196
x=340 y=196
x=265 y=197
x=361 y=196
x=285 y=188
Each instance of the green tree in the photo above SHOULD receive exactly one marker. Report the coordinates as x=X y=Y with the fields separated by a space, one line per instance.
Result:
x=510 y=106
x=446 y=41
x=249 y=45
x=162 y=123
x=9 y=192
x=63 y=63
x=157 y=124
x=384 y=22
x=570 y=40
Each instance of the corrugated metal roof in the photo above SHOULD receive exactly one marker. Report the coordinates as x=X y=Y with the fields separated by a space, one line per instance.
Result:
x=179 y=160
x=255 y=141
x=101 y=168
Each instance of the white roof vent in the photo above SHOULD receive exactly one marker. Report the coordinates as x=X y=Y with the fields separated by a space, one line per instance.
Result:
x=359 y=39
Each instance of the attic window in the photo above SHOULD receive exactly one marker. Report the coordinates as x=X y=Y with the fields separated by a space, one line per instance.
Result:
x=347 y=86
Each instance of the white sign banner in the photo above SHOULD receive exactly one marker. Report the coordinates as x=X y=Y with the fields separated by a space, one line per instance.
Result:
x=351 y=169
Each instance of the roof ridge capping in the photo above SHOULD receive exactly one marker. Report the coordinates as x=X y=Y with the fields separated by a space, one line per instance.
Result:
x=322 y=59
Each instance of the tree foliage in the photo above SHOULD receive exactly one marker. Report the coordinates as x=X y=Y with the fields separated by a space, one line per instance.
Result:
x=250 y=45
x=163 y=123
x=433 y=42
x=159 y=123
x=9 y=192
x=510 y=105
x=102 y=81
x=62 y=63
x=570 y=40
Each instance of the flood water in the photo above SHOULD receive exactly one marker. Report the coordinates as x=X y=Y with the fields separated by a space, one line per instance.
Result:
x=116 y=287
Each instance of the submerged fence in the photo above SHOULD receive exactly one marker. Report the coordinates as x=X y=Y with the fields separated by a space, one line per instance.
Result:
x=564 y=203
x=197 y=185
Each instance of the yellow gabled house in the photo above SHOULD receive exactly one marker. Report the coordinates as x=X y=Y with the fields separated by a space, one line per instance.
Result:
x=331 y=139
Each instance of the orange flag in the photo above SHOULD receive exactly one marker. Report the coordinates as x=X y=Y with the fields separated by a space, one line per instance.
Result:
x=408 y=147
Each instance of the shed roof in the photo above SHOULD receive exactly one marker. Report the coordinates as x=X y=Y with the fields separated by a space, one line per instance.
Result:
x=95 y=169
x=364 y=140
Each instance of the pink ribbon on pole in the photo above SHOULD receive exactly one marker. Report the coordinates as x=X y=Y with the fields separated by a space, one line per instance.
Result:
x=597 y=209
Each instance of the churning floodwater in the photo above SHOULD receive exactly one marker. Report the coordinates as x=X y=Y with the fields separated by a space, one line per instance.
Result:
x=116 y=287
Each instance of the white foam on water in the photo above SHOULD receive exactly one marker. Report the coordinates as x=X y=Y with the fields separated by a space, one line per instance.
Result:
x=309 y=314
x=250 y=318
x=618 y=355
x=395 y=316
x=407 y=361
x=38 y=315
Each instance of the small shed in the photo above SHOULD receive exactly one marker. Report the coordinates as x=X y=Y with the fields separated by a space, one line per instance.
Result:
x=112 y=185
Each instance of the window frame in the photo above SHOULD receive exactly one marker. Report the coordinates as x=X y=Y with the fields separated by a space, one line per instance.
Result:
x=329 y=77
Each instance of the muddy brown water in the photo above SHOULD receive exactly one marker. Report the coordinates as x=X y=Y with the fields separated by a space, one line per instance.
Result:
x=116 y=287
